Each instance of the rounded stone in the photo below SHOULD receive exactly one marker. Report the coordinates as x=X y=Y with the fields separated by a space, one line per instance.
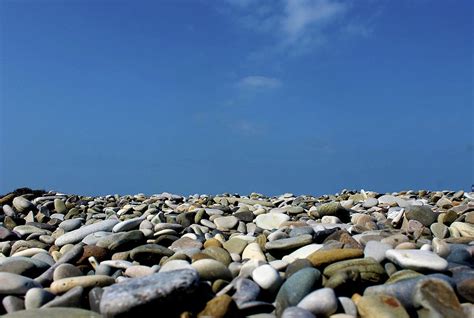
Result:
x=376 y=250
x=422 y=214
x=77 y=235
x=220 y=306
x=226 y=222
x=374 y=306
x=210 y=269
x=167 y=292
x=270 y=221
x=70 y=225
x=417 y=259
x=22 y=205
x=253 y=251
x=65 y=284
x=296 y=312
x=13 y=284
x=295 y=288
x=37 y=297
x=325 y=257
x=66 y=270
x=320 y=302
x=59 y=206
x=127 y=225
x=438 y=297
x=267 y=277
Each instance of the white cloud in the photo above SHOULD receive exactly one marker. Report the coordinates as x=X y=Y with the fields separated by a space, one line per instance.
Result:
x=303 y=16
x=259 y=82
x=294 y=25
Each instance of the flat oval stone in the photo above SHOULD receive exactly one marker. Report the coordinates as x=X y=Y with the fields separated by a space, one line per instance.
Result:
x=211 y=270
x=321 y=302
x=219 y=254
x=235 y=245
x=66 y=270
x=139 y=271
x=165 y=290
x=21 y=265
x=289 y=243
x=374 y=306
x=270 y=221
x=65 y=284
x=70 y=225
x=77 y=235
x=149 y=254
x=13 y=284
x=175 y=264
x=226 y=222
x=325 y=257
x=302 y=252
x=22 y=205
x=127 y=225
x=417 y=259
x=422 y=214
x=370 y=270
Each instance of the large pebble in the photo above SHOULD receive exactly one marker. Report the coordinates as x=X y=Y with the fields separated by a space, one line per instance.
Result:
x=320 y=302
x=13 y=284
x=166 y=291
x=417 y=259
x=77 y=235
x=270 y=221
x=295 y=288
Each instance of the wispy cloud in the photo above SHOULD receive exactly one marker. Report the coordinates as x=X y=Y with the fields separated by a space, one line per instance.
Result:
x=302 y=18
x=259 y=82
x=297 y=26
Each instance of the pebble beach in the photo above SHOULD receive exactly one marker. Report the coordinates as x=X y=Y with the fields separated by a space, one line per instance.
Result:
x=343 y=255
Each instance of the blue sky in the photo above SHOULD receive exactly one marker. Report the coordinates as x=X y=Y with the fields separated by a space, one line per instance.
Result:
x=309 y=96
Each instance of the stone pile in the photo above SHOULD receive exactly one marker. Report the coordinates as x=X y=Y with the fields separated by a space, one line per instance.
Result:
x=352 y=254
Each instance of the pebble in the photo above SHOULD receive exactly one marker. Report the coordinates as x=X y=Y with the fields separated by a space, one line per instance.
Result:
x=437 y=297
x=325 y=257
x=321 y=302
x=63 y=285
x=135 y=294
x=127 y=225
x=374 y=306
x=270 y=221
x=381 y=255
x=295 y=288
x=417 y=259
x=376 y=250
x=77 y=235
x=13 y=284
x=267 y=277
x=210 y=269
